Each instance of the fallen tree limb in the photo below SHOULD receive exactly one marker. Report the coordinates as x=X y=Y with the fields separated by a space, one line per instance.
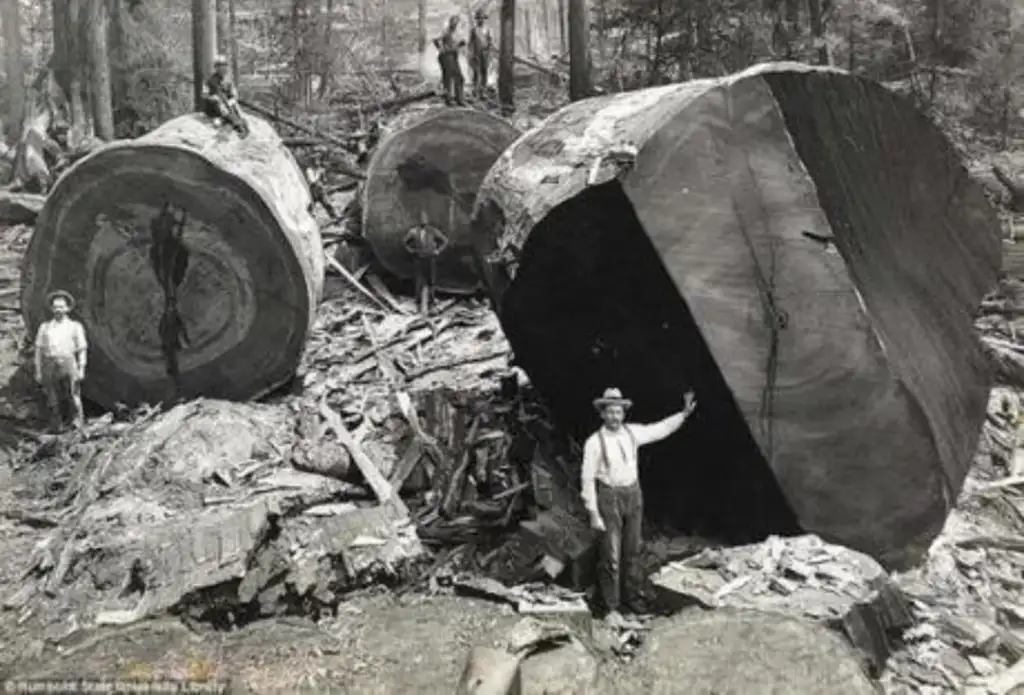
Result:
x=344 y=167
x=20 y=208
x=397 y=102
x=385 y=494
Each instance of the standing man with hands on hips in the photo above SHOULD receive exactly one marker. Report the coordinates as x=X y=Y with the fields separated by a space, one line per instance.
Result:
x=612 y=496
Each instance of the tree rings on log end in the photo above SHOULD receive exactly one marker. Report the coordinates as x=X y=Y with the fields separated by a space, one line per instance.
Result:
x=245 y=279
x=432 y=166
x=799 y=245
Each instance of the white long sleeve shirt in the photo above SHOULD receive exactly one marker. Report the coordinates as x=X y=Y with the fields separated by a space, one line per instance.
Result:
x=619 y=468
x=60 y=347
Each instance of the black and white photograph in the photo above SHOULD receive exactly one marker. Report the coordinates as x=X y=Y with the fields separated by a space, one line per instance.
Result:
x=512 y=347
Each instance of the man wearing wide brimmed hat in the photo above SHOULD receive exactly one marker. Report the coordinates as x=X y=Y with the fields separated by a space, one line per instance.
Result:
x=612 y=496
x=60 y=355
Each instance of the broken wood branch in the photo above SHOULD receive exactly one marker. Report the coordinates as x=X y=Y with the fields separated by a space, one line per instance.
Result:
x=384 y=492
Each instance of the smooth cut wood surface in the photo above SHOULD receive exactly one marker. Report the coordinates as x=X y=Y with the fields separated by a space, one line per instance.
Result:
x=255 y=260
x=432 y=164
x=879 y=383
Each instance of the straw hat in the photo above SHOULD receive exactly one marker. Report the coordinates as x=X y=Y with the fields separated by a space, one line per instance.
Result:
x=63 y=294
x=612 y=396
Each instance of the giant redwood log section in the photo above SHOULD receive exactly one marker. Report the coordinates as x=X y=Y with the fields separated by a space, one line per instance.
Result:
x=798 y=245
x=429 y=166
x=196 y=264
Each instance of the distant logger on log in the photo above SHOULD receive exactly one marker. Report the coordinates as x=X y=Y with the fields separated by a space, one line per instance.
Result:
x=481 y=43
x=220 y=98
x=448 y=45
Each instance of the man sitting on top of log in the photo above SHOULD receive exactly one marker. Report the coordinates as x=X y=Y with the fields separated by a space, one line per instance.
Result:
x=448 y=56
x=60 y=355
x=425 y=243
x=220 y=98
x=611 y=493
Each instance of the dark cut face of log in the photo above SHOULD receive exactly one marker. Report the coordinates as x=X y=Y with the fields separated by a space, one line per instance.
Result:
x=592 y=307
x=245 y=284
x=431 y=166
x=853 y=364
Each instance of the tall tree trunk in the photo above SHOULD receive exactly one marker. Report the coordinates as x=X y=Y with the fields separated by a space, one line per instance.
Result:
x=223 y=28
x=384 y=48
x=817 y=30
x=421 y=26
x=602 y=30
x=937 y=7
x=118 y=52
x=506 y=56
x=233 y=43
x=204 y=45
x=792 y=27
x=15 y=66
x=579 y=50
x=327 y=55
x=563 y=27
x=99 y=69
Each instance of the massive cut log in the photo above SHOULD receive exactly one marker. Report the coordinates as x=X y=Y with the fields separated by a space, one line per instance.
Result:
x=801 y=247
x=430 y=165
x=189 y=250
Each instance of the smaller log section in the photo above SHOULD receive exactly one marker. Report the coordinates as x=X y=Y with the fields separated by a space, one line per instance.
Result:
x=195 y=262
x=431 y=164
x=798 y=245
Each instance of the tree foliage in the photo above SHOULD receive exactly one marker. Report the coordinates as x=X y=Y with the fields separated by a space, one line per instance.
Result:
x=962 y=57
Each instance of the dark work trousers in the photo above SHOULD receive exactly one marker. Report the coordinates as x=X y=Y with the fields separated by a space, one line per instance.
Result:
x=622 y=511
x=451 y=78
x=426 y=278
x=479 y=75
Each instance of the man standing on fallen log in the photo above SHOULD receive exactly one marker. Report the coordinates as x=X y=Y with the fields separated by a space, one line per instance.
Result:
x=612 y=496
x=220 y=98
x=448 y=46
x=425 y=243
x=60 y=355
x=480 y=47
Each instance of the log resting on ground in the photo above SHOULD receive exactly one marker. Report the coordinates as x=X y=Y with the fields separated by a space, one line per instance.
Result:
x=254 y=275
x=801 y=247
x=431 y=163
x=19 y=208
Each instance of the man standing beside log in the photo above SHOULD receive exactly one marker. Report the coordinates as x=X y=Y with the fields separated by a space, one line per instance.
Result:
x=220 y=97
x=448 y=46
x=60 y=356
x=480 y=46
x=612 y=496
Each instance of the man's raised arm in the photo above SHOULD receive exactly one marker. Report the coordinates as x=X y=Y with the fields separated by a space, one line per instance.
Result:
x=656 y=431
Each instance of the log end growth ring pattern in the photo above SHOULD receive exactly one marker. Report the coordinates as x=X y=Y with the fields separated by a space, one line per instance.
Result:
x=175 y=255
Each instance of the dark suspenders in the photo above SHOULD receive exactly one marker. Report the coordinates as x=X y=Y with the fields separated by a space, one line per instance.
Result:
x=604 y=444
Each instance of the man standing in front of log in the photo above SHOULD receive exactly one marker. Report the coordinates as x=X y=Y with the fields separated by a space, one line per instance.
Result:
x=60 y=355
x=612 y=496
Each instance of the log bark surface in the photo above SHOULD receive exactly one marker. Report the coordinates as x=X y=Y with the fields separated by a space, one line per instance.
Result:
x=431 y=164
x=254 y=272
x=804 y=217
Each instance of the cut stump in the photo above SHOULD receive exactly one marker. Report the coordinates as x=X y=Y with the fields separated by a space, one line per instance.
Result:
x=431 y=164
x=800 y=246
x=246 y=285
